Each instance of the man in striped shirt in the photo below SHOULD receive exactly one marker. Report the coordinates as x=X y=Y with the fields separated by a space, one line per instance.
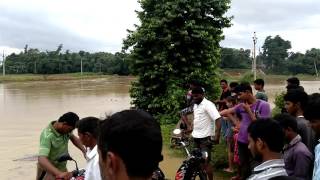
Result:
x=265 y=143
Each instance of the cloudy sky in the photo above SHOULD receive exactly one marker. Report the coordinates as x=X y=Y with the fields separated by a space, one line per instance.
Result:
x=100 y=25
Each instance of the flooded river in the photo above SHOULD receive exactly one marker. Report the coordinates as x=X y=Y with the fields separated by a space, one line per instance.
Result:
x=27 y=107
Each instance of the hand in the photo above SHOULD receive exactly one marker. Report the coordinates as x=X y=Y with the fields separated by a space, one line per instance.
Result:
x=85 y=155
x=64 y=175
x=215 y=140
x=246 y=107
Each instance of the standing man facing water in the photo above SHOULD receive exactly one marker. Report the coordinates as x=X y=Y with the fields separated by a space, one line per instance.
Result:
x=54 y=143
x=205 y=113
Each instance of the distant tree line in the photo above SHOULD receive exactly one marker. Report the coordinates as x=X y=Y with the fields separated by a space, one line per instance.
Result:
x=274 y=58
x=56 y=62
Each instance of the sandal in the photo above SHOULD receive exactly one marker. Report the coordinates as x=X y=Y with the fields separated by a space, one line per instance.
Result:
x=228 y=170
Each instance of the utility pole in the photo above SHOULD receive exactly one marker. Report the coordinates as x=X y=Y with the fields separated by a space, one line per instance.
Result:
x=81 y=65
x=3 y=64
x=315 y=67
x=254 y=38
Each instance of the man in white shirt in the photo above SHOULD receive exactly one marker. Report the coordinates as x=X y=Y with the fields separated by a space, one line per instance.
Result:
x=88 y=133
x=205 y=114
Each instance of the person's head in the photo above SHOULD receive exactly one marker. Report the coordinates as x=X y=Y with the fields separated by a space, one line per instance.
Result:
x=231 y=101
x=265 y=138
x=193 y=84
x=295 y=101
x=197 y=95
x=293 y=81
x=258 y=84
x=233 y=85
x=223 y=84
x=88 y=131
x=244 y=91
x=129 y=145
x=312 y=113
x=67 y=122
x=288 y=124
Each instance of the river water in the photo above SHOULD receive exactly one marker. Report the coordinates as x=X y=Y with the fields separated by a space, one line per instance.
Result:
x=27 y=107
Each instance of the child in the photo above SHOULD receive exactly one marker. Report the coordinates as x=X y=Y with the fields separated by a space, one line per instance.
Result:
x=230 y=102
x=88 y=133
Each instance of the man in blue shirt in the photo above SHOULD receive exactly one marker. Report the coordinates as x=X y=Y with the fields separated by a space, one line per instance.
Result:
x=312 y=113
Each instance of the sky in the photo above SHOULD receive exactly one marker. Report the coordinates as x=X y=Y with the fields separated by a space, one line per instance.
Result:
x=100 y=25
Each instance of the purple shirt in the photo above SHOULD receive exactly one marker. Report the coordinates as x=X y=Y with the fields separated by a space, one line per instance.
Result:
x=260 y=108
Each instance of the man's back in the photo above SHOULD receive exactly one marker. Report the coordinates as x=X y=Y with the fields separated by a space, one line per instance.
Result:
x=298 y=159
x=204 y=115
x=306 y=133
x=262 y=95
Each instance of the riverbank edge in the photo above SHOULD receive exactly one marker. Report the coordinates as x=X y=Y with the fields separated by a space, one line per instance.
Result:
x=52 y=77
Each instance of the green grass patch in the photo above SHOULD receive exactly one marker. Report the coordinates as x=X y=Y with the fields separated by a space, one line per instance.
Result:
x=50 y=77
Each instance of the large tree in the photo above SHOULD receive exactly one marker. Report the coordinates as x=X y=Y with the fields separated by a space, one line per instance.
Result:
x=275 y=53
x=177 y=40
x=235 y=58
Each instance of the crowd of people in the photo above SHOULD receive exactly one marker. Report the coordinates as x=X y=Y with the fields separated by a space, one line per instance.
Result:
x=264 y=147
x=128 y=144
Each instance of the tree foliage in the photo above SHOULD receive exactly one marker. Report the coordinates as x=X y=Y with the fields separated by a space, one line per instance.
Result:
x=177 y=40
x=55 y=62
x=235 y=58
x=275 y=52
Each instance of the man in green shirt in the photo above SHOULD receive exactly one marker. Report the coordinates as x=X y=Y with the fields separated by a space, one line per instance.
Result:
x=54 y=143
x=259 y=85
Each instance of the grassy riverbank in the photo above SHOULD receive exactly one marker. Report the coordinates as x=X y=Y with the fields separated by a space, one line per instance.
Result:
x=50 y=77
x=229 y=74
x=245 y=75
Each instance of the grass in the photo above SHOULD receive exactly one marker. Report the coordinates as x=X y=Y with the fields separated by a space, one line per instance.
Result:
x=49 y=77
x=229 y=74
x=244 y=74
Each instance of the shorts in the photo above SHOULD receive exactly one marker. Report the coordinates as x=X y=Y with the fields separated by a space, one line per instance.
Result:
x=204 y=144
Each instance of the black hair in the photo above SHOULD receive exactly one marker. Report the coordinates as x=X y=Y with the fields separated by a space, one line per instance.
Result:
x=232 y=99
x=135 y=136
x=70 y=118
x=197 y=90
x=223 y=80
x=269 y=131
x=195 y=83
x=311 y=111
x=242 y=87
x=295 y=96
x=286 y=120
x=293 y=80
x=233 y=84
x=90 y=125
x=259 y=82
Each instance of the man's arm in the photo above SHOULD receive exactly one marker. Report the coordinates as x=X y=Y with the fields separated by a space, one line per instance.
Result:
x=218 y=130
x=76 y=141
x=247 y=108
x=216 y=117
x=227 y=111
x=48 y=167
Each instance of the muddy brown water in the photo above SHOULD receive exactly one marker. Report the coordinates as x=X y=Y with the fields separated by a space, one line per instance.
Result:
x=27 y=107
